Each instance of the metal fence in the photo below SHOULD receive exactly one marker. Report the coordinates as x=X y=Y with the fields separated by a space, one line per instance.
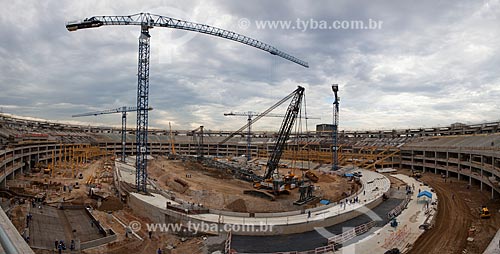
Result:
x=333 y=242
x=350 y=234
x=398 y=209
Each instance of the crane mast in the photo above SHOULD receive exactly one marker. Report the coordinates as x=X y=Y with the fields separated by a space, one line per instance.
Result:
x=147 y=21
x=141 y=136
x=335 y=147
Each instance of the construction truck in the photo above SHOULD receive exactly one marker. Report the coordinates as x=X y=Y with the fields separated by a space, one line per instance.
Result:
x=484 y=212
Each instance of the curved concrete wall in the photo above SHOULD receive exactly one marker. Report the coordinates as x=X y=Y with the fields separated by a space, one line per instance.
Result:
x=159 y=215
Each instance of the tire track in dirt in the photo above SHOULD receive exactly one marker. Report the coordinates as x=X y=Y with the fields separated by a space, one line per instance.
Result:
x=453 y=220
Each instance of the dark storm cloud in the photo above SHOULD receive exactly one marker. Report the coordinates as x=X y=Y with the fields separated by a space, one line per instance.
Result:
x=432 y=61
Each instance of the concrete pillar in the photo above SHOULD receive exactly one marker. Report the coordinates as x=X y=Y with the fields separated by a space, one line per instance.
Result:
x=22 y=161
x=459 y=165
x=492 y=193
x=447 y=163
x=481 y=185
x=435 y=159
x=412 y=160
x=470 y=163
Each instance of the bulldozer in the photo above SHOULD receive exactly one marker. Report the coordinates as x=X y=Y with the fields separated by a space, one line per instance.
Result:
x=484 y=212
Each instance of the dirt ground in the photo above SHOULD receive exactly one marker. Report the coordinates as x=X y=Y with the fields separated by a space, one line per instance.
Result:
x=35 y=183
x=131 y=244
x=458 y=212
x=215 y=189
x=204 y=185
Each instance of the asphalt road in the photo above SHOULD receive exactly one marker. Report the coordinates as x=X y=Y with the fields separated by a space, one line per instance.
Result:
x=308 y=240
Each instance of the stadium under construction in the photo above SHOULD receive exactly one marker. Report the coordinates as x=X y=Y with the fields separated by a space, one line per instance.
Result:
x=70 y=187
x=43 y=161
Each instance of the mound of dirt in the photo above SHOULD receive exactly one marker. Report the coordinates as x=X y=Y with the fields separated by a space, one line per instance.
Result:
x=111 y=204
x=238 y=205
x=179 y=186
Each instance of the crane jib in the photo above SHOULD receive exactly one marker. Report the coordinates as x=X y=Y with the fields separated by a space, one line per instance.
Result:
x=151 y=20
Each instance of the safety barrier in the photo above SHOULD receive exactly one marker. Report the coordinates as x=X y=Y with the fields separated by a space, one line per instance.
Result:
x=349 y=234
x=227 y=244
x=398 y=209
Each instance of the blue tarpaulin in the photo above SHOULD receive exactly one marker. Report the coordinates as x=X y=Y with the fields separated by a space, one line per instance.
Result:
x=349 y=175
x=325 y=202
x=424 y=193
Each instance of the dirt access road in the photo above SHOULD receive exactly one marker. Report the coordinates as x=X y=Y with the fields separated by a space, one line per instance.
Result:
x=458 y=211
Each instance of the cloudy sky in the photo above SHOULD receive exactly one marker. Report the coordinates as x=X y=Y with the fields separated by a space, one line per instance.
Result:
x=430 y=63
